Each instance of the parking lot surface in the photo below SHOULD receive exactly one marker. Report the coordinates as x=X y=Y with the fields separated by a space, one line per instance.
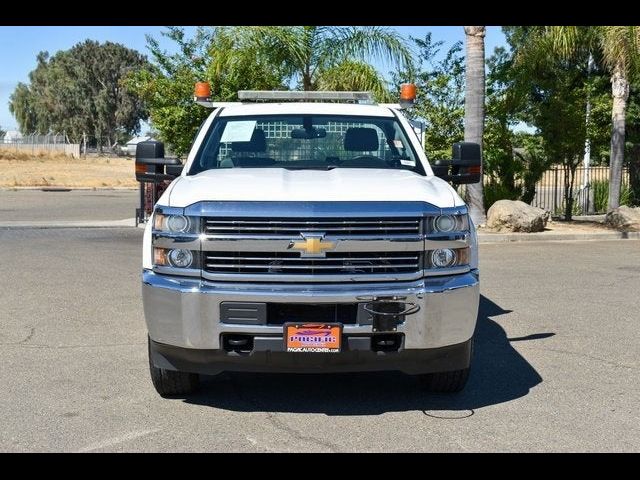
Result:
x=556 y=362
x=77 y=205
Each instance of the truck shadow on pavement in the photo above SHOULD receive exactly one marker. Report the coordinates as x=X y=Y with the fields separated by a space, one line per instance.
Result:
x=499 y=374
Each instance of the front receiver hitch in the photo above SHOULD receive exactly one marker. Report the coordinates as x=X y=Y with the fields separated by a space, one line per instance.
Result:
x=387 y=314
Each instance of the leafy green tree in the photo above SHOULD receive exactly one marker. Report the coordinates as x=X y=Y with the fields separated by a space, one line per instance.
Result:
x=616 y=48
x=513 y=162
x=214 y=55
x=633 y=142
x=440 y=100
x=502 y=168
x=552 y=91
x=21 y=106
x=354 y=75
x=80 y=91
x=317 y=55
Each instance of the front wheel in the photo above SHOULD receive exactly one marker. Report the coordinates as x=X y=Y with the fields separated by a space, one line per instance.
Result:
x=170 y=382
x=453 y=381
x=445 y=382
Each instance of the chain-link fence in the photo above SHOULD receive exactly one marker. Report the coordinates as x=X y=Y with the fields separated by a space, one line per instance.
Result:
x=36 y=143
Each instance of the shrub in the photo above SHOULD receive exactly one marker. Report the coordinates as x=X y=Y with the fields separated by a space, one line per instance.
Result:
x=494 y=191
x=601 y=195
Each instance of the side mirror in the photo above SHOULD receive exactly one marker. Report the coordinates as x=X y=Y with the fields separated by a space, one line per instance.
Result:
x=464 y=167
x=151 y=166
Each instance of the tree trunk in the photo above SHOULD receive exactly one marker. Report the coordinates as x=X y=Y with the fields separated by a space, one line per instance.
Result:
x=474 y=112
x=306 y=78
x=620 y=92
x=306 y=82
x=569 y=177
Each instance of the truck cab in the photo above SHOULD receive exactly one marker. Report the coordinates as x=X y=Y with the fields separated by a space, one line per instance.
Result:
x=307 y=232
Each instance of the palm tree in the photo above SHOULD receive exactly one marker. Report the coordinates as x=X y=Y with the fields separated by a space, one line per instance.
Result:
x=313 y=55
x=474 y=111
x=618 y=48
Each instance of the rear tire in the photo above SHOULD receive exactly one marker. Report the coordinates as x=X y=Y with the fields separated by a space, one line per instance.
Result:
x=445 y=382
x=169 y=382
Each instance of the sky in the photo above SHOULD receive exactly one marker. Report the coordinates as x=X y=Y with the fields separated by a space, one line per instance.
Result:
x=20 y=45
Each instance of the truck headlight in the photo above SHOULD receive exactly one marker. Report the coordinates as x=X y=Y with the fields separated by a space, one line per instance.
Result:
x=174 y=223
x=449 y=223
x=448 y=257
x=443 y=257
x=177 y=257
x=180 y=258
x=177 y=223
x=445 y=223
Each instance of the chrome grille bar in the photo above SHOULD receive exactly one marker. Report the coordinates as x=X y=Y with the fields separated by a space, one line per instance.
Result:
x=294 y=226
x=292 y=263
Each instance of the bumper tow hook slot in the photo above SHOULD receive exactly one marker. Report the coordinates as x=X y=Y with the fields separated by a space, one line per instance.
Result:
x=238 y=342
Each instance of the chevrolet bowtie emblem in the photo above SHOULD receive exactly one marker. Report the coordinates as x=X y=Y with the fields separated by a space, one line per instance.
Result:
x=312 y=245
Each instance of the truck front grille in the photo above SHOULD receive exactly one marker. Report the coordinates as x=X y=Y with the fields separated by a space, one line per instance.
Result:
x=295 y=226
x=292 y=263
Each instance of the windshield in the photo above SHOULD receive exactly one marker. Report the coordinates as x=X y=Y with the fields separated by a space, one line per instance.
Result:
x=306 y=142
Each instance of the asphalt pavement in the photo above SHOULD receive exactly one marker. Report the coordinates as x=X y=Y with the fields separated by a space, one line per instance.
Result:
x=27 y=205
x=555 y=366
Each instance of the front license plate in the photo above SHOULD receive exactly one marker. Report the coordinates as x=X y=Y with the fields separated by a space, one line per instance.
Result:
x=313 y=337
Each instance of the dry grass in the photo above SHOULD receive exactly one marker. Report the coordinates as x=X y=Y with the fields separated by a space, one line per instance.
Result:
x=22 y=169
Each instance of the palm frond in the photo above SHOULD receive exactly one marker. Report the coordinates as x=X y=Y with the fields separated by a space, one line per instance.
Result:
x=620 y=47
x=354 y=75
x=366 y=43
x=283 y=44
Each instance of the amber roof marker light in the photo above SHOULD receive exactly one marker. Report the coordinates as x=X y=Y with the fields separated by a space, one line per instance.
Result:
x=408 y=93
x=202 y=92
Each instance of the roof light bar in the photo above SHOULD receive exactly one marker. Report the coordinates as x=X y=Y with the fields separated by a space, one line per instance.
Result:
x=297 y=96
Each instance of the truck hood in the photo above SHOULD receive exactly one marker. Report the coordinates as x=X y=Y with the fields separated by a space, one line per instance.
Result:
x=339 y=184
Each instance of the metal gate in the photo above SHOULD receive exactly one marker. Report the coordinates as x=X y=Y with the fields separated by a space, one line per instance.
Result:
x=590 y=190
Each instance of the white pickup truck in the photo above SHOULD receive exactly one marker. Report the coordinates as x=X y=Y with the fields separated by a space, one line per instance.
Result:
x=305 y=234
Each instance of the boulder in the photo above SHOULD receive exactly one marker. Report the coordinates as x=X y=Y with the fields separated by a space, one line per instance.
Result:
x=516 y=216
x=626 y=219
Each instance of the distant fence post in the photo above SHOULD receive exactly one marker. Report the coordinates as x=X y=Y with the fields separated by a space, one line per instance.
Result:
x=555 y=190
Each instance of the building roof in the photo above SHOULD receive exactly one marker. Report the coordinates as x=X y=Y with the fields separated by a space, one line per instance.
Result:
x=12 y=135
x=137 y=140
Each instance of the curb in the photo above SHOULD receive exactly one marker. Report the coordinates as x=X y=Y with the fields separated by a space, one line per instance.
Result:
x=484 y=238
x=54 y=188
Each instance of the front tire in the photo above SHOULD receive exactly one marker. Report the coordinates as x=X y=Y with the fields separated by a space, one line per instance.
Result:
x=445 y=382
x=453 y=381
x=169 y=382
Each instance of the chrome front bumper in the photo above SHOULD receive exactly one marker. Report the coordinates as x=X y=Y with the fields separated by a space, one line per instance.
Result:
x=185 y=312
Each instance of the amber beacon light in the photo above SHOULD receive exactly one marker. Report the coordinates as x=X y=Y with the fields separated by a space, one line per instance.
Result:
x=202 y=91
x=408 y=93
